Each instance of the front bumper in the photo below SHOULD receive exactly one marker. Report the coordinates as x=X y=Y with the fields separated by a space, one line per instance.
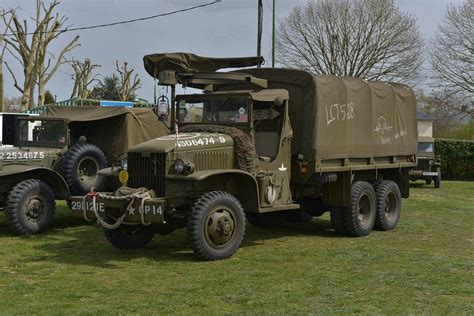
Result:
x=133 y=211
x=422 y=174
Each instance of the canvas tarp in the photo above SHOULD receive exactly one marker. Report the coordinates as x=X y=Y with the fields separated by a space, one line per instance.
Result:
x=190 y=63
x=342 y=117
x=113 y=129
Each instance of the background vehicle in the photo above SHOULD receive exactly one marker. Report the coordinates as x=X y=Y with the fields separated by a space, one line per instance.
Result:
x=428 y=168
x=47 y=157
x=261 y=145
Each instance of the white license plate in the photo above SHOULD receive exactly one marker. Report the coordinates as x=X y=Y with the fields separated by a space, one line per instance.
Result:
x=430 y=174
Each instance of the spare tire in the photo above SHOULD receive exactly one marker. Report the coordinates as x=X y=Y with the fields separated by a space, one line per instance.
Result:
x=80 y=166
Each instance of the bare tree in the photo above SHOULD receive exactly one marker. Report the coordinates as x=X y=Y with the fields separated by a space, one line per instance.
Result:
x=370 y=39
x=83 y=77
x=126 y=85
x=442 y=108
x=2 y=54
x=38 y=69
x=452 y=54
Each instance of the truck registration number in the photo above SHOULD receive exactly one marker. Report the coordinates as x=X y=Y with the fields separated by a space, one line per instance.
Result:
x=88 y=206
x=100 y=207
x=22 y=155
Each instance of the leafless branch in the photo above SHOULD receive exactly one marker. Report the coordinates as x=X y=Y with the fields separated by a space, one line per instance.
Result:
x=370 y=39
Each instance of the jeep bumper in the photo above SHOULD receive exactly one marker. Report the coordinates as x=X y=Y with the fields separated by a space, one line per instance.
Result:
x=133 y=211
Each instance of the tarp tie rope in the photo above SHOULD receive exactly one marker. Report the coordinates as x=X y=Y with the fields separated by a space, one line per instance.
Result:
x=131 y=198
x=141 y=210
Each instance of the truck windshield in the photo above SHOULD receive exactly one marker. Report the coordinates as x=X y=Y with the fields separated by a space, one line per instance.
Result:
x=38 y=132
x=425 y=147
x=214 y=109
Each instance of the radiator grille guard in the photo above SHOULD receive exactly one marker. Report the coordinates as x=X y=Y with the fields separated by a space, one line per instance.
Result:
x=423 y=164
x=147 y=170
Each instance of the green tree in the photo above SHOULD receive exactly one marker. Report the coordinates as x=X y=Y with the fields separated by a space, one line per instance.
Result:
x=48 y=97
x=106 y=89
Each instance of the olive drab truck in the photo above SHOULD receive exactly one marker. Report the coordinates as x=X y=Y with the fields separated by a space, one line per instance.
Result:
x=60 y=152
x=261 y=144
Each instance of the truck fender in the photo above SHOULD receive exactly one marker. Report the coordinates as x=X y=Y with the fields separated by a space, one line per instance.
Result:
x=239 y=183
x=19 y=173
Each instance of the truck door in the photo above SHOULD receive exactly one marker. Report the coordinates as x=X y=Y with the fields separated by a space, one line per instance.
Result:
x=272 y=136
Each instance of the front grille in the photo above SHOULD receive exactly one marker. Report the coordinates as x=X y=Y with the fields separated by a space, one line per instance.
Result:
x=147 y=170
x=423 y=164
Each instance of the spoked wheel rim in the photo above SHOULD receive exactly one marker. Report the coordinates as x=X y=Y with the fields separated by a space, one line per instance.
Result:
x=220 y=227
x=391 y=206
x=365 y=211
x=87 y=169
x=35 y=209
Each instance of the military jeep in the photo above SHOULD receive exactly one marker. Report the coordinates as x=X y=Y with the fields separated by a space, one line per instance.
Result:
x=428 y=168
x=60 y=152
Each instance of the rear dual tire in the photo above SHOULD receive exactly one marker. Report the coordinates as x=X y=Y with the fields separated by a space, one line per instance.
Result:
x=379 y=209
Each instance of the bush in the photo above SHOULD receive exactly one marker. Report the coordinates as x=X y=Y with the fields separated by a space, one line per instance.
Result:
x=456 y=158
x=461 y=132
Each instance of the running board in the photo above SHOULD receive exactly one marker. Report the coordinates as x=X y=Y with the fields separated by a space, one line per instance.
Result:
x=282 y=207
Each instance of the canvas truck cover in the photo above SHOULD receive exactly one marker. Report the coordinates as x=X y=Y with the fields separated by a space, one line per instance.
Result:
x=113 y=129
x=343 y=117
x=190 y=63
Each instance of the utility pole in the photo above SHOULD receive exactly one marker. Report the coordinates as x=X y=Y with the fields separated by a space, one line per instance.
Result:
x=259 y=29
x=273 y=36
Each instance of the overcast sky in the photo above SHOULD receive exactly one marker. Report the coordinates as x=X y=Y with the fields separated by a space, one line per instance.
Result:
x=226 y=29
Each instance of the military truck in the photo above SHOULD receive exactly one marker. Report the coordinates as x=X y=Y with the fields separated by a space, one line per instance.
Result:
x=261 y=143
x=47 y=157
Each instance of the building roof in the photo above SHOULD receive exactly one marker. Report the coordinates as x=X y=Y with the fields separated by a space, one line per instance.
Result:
x=420 y=116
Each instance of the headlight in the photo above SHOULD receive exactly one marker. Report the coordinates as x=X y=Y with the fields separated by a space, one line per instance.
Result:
x=124 y=164
x=179 y=166
x=431 y=162
x=183 y=167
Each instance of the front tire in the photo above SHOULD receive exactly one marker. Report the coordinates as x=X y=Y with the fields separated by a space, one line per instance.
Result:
x=30 y=207
x=130 y=236
x=389 y=205
x=437 y=180
x=359 y=219
x=216 y=226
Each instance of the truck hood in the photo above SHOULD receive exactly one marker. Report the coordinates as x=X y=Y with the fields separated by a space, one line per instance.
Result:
x=185 y=142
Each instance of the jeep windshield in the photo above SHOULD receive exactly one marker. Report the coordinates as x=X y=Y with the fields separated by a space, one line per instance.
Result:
x=425 y=147
x=213 y=109
x=39 y=132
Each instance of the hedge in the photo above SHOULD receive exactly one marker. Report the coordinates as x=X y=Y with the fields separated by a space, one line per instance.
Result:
x=456 y=158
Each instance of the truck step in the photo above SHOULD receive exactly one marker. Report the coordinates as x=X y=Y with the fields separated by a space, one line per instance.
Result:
x=281 y=207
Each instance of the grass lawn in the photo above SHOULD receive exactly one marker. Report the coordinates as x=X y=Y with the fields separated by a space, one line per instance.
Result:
x=424 y=266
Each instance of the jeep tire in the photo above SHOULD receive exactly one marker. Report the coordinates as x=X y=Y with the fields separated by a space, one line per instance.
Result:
x=359 y=219
x=30 y=207
x=216 y=226
x=389 y=205
x=437 y=179
x=80 y=166
x=130 y=236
